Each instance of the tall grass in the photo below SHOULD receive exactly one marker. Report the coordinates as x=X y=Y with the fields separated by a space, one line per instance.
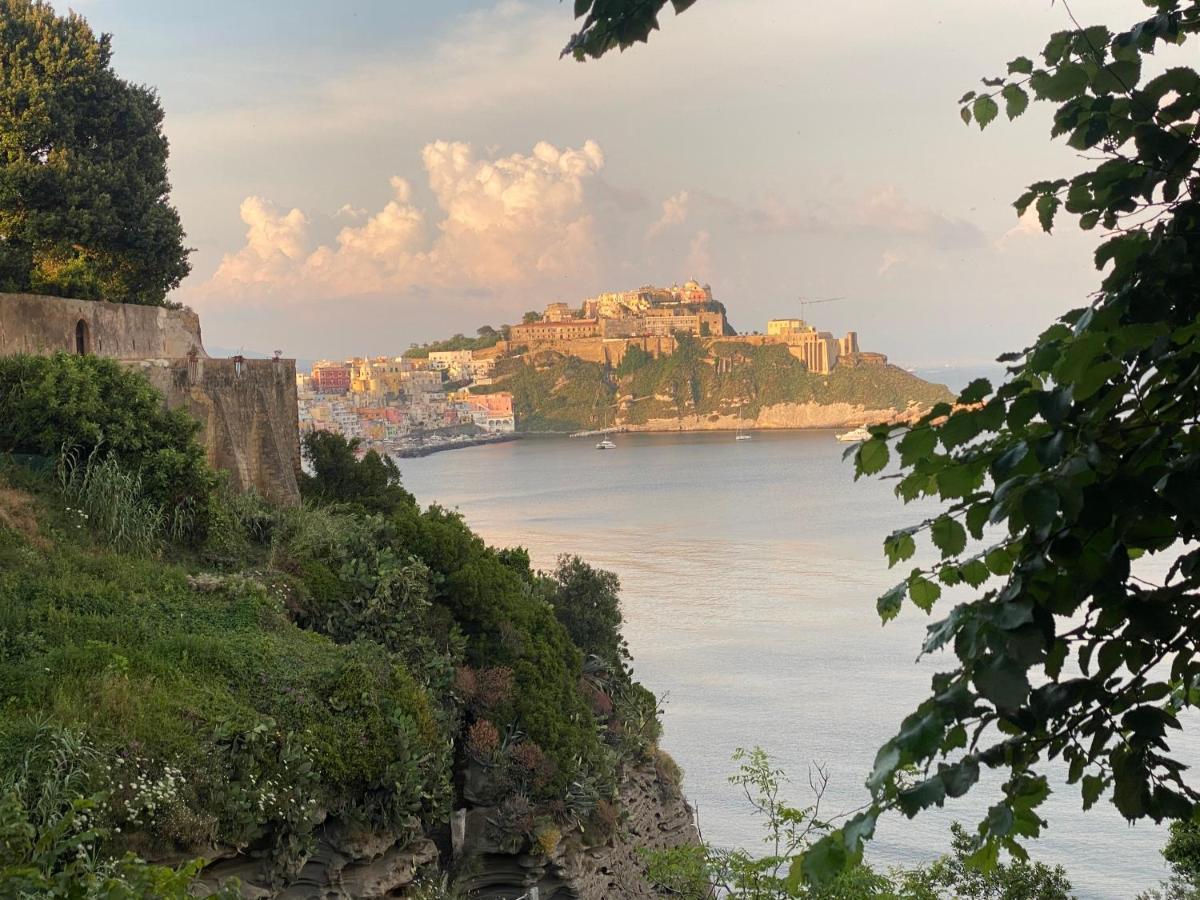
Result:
x=113 y=503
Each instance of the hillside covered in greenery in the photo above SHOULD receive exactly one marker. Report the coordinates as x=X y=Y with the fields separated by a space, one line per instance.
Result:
x=245 y=684
x=553 y=392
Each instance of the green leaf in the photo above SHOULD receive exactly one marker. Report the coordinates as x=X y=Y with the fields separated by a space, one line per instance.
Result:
x=948 y=536
x=1002 y=681
x=872 y=457
x=985 y=110
x=975 y=573
x=965 y=115
x=999 y=561
x=1020 y=66
x=1015 y=100
x=918 y=444
x=923 y=592
x=888 y=605
x=1118 y=77
x=886 y=762
x=1047 y=206
x=899 y=546
x=960 y=777
x=975 y=391
x=1040 y=505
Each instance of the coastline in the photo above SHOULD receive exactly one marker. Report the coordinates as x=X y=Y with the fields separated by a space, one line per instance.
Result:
x=426 y=449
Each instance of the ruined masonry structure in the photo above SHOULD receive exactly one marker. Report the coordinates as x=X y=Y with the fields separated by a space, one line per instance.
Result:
x=246 y=407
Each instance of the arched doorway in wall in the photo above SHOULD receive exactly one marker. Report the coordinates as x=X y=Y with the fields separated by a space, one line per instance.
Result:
x=83 y=338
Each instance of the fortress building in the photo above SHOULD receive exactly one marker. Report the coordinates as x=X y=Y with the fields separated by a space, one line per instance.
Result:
x=246 y=407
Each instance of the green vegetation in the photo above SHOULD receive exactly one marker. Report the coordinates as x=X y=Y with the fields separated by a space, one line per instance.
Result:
x=341 y=660
x=371 y=484
x=83 y=167
x=553 y=392
x=1084 y=461
x=485 y=338
x=749 y=378
x=1182 y=854
x=705 y=872
x=85 y=409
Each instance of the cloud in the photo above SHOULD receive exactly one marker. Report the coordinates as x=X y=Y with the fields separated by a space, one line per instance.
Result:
x=501 y=221
x=889 y=259
x=1028 y=226
x=699 y=259
x=674 y=212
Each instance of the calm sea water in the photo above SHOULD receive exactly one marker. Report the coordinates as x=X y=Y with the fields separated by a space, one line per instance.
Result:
x=749 y=572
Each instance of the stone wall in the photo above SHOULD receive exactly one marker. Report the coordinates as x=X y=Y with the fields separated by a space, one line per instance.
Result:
x=247 y=415
x=246 y=409
x=38 y=325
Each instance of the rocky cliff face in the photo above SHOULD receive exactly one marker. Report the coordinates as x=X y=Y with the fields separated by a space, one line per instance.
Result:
x=787 y=415
x=349 y=865
x=654 y=816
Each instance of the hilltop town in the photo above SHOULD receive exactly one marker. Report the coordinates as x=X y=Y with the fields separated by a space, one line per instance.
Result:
x=594 y=366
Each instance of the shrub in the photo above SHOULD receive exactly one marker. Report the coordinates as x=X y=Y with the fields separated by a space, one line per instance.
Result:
x=483 y=740
x=371 y=483
x=49 y=404
x=587 y=602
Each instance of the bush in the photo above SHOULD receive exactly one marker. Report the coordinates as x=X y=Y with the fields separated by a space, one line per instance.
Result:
x=587 y=602
x=85 y=404
x=371 y=483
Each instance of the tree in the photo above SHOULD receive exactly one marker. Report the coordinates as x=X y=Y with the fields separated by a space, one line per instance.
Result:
x=587 y=602
x=84 y=208
x=1085 y=460
x=530 y=317
x=339 y=476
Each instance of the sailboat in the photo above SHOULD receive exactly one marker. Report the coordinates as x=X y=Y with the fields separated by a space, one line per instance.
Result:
x=604 y=443
x=742 y=435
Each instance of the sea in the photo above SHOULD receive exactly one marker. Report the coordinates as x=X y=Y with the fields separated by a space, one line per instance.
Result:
x=749 y=572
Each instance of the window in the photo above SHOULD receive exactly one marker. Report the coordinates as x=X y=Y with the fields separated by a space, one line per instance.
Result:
x=83 y=341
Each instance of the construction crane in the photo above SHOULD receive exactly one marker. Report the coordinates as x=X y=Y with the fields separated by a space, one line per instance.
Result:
x=807 y=302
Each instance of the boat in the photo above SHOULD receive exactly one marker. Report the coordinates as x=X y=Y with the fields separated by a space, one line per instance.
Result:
x=605 y=444
x=858 y=434
x=742 y=436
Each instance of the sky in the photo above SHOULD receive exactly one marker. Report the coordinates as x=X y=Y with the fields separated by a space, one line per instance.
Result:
x=361 y=176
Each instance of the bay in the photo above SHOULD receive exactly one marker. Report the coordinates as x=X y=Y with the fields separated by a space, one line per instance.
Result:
x=749 y=572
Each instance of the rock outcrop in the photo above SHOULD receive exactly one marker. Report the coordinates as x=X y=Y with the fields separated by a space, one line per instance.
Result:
x=346 y=865
x=654 y=816
x=788 y=415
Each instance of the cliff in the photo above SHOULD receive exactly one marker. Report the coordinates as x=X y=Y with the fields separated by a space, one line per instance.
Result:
x=316 y=703
x=724 y=385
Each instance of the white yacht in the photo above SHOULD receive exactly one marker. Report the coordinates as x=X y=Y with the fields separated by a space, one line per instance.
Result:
x=605 y=444
x=858 y=434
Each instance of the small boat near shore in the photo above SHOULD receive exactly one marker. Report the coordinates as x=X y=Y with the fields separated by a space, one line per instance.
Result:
x=605 y=444
x=858 y=434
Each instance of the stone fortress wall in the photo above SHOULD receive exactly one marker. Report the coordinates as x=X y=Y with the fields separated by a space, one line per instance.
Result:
x=246 y=408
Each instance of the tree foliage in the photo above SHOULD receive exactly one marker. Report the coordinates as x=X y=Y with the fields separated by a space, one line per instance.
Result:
x=611 y=24
x=1085 y=460
x=587 y=601
x=84 y=208
x=371 y=483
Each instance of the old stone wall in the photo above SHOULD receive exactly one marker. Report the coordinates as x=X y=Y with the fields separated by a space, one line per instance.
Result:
x=246 y=408
x=247 y=415
x=30 y=323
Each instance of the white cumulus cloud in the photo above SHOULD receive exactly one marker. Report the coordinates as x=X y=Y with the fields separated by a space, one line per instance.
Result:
x=498 y=221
